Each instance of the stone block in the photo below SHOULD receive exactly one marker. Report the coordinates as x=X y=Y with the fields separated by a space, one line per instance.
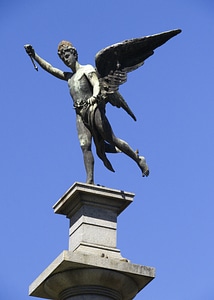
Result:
x=76 y=275
x=93 y=211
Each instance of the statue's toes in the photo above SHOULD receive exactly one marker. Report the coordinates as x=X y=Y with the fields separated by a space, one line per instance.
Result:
x=143 y=166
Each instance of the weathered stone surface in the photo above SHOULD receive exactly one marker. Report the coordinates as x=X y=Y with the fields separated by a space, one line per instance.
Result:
x=93 y=211
x=75 y=273
x=69 y=202
x=93 y=268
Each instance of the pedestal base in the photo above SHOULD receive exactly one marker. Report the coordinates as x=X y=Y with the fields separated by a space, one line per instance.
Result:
x=74 y=275
x=93 y=211
x=93 y=268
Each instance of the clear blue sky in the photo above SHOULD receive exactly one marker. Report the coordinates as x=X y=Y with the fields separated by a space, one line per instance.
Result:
x=170 y=225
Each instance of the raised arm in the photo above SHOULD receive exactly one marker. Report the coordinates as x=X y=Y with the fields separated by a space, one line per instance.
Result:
x=44 y=64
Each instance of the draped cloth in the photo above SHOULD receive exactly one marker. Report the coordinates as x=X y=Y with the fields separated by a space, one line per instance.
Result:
x=88 y=114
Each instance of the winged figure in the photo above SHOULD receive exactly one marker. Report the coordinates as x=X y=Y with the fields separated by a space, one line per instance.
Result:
x=91 y=88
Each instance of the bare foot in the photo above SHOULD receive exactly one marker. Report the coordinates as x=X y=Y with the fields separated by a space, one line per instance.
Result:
x=143 y=166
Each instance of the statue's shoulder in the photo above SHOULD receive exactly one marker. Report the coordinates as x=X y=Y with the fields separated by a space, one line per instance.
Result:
x=88 y=69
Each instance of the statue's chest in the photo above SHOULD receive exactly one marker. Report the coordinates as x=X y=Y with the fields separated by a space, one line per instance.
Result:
x=78 y=83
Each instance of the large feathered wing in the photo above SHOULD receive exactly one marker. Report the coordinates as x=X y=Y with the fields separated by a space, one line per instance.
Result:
x=114 y=62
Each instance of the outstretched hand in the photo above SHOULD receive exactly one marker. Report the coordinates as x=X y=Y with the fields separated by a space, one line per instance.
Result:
x=31 y=52
x=29 y=49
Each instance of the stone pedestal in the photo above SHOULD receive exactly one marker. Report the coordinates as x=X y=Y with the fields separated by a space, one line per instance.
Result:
x=93 y=267
x=92 y=211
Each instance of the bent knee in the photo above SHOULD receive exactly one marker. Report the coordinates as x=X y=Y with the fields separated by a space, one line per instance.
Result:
x=84 y=140
x=85 y=145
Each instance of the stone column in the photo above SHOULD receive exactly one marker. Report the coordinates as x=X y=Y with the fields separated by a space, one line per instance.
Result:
x=93 y=267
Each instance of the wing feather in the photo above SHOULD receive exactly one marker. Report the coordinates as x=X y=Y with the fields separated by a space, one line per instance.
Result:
x=130 y=54
x=117 y=100
x=114 y=62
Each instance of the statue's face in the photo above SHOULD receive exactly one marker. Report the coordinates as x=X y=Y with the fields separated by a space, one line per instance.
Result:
x=68 y=57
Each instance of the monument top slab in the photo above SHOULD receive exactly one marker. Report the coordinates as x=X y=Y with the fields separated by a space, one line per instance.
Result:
x=87 y=194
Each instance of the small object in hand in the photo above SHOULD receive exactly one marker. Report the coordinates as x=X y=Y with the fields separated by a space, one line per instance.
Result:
x=30 y=51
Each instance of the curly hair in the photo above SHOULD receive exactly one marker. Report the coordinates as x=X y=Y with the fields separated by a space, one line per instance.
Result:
x=63 y=45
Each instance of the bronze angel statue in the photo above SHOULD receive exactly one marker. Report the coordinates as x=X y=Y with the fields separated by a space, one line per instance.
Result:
x=92 y=88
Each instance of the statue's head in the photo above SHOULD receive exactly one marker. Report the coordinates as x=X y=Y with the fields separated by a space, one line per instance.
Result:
x=65 y=46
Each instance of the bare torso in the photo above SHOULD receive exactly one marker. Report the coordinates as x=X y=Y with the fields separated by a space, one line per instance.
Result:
x=79 y=85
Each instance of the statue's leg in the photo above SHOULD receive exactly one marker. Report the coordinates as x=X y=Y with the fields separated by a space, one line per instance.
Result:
x=125 y=148
x=85 y=138
x=111 y=148
x=106 y=131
